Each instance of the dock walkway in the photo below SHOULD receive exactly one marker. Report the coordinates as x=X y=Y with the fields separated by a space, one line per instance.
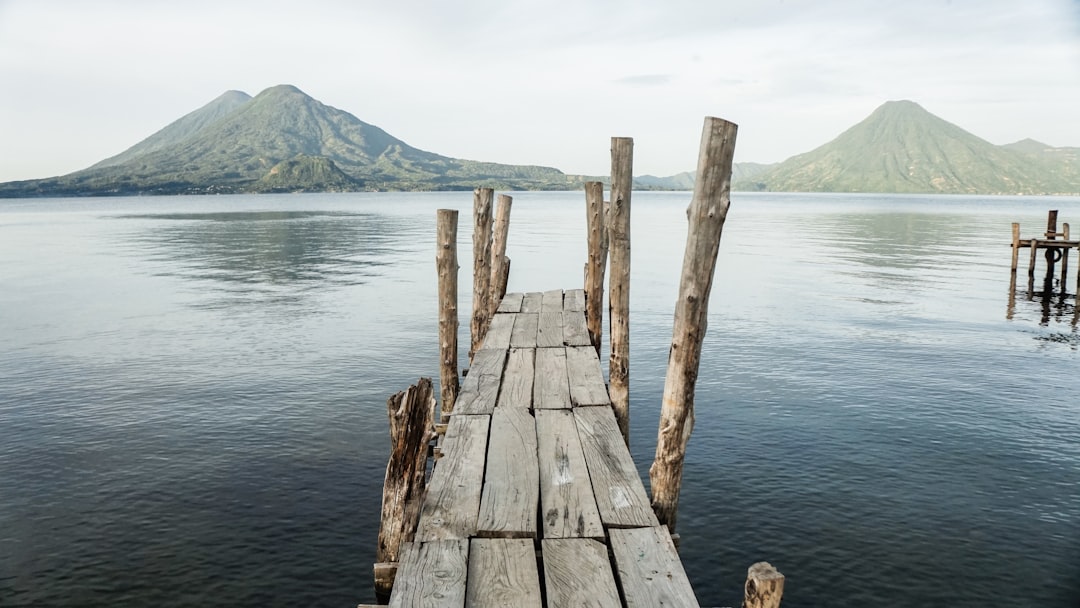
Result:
x=535 y=500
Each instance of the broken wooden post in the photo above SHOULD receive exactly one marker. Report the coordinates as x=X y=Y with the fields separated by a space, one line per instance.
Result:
x=500 y=264
x=708 y=209
x=447 y=266
x=411 y=413
x=482 y=198
x=594 y=269
x=622 y=169
x=764 y=587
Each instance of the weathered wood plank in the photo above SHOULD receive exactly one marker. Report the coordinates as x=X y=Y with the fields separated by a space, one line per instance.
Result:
x=517 y=384
x=480 y=389
x=577 y=573
x=620 y=495
x=551 y=387
x=502 y=573
x=575 y=330
x=566 y=497
x=432 y=575
x=511 y=302
x=498 y=334
x=649 y=569
x=574 y=300
x=585 y=377
x=532 y=302
x=549 y=331
x=453 y=496
x=525 y=327
x=552 y=301
x=511 y=483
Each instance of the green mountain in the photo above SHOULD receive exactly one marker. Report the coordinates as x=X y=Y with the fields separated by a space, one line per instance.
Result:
x=685 y=180
x=901 y=147
x=281 y=140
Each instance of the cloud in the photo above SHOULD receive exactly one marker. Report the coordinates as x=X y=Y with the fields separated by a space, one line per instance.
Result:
x=644 y=80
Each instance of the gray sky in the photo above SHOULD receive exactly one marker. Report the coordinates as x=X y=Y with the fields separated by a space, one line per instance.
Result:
x=531 y=82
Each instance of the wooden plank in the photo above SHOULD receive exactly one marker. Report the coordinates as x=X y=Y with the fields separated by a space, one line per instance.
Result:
x=577 y=572
x=575 y=330
x=432 y=575
x=480 y=389
x=532 y=302
x=620 y=494
x=498 y=334
x=574 y=300
x=453 y=495
x=549 y=331
x=511 y=482
x=585 y=377
x=566 y=497
x=649 y=569
x=511 y=302
x=517 y=384
x=551 y=387
x=552 y=301
x=502 y=572
x=524 y=334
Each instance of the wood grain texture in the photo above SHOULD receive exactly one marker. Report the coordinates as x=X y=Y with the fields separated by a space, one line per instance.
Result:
x=596 y=266
x=532 y=302
x=517 y=385
x=511 y=302
x=446 y=265
x=567 y=505
x=620 y=494
x=618 y=223
x=432 y=575
x=549 y=331
x=525 y=328
x=551 y=385
x=649 y=569
x=585 y=377
x=503 y=574
x=575 y=331
x=577 y=574
x=480 y=389
x=552 y=301
x=764 y=586
x=499 y=261
x=498 y=334
x=574 y=300
x=511 y=493
x=453 y=495
x=482 y=198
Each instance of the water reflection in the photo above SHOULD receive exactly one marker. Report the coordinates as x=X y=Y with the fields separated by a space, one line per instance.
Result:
x=269 y=256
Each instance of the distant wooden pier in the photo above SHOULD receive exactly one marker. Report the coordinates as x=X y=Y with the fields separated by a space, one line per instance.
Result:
x=1055 y=246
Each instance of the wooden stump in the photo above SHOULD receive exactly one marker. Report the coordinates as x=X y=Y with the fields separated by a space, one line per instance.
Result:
x=764 y=587
x=481 y=266
x=597 y=262
x=446 y=264
x=622 y=164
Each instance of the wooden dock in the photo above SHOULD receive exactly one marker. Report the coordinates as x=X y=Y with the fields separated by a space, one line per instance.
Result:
x=535 y=486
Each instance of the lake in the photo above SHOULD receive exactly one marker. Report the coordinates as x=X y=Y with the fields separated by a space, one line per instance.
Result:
x=193 y=389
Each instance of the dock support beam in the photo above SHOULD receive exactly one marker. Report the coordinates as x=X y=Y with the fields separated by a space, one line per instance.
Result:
x=707 y=212
x=594 y=270
x=1051 y=254
x=500 y=264
x=446 y=264
x=482 y=198
x=764 y=586
x=622 y=169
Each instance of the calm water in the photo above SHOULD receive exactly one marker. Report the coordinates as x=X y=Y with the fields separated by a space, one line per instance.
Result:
x=192 y=394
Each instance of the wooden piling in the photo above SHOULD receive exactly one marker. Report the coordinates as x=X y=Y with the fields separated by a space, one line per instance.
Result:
x=597 y=264
x=1015 y=255
x=764 y=587
x=618 y=221
x=482 y=198
x=1051 y=254
x=446 y=263
x=500 y=264
x=411 y=413
x=707 y=212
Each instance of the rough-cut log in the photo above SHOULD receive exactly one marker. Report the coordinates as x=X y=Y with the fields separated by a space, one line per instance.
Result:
x=1015 y=255
x=412 y=428
x=447 y=266
x=481 y=266
x=597 y=264
x=618 y=221
x=708 y=209
x=764 y=586
x=500 y=264
x=1051 y=254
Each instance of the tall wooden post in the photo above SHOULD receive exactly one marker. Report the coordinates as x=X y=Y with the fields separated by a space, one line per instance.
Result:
x=411 y=415
x=1051 y=234
x=500 y=264
x=597 y=264
x=764 y=586
x=446 y=263
x=618 y=221
x=482 y=198
x=707 y=212
x=1015 y=254
x=1064 y=259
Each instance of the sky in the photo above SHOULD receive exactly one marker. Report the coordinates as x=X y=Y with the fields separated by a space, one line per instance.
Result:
x=537 y=82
